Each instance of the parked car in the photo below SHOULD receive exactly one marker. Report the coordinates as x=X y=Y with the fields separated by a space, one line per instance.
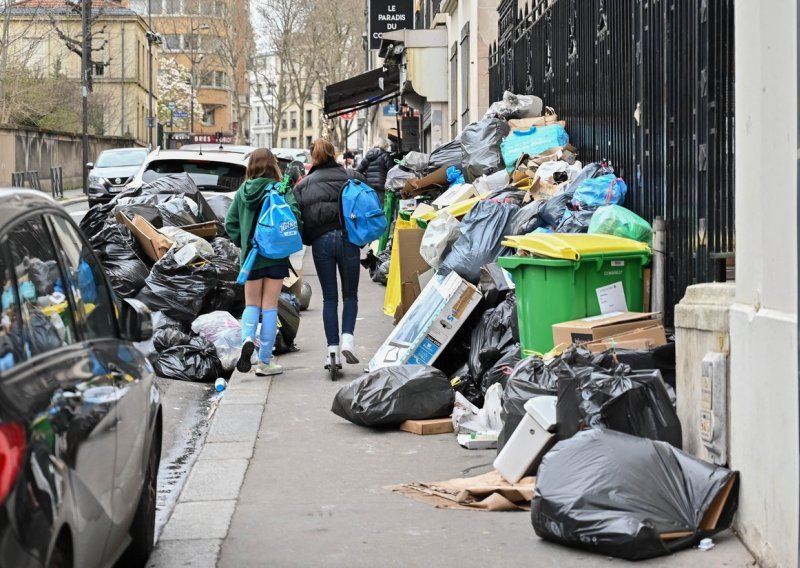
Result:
x=212 y=170
x=112 y=171
x=80 y=414
x=294 y=155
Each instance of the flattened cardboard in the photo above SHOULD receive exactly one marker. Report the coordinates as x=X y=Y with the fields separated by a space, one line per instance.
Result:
x=207 y=230
x=455 y=194
x=642 y=338
x=589 y=329
x=428 y=427
x=646 y=283
x=411 y=266
x=154 y=244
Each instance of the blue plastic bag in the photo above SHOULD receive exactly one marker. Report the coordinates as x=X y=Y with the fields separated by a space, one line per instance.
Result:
x=533 y=141
x=604 y=190
x=277 y=234
x=454 y=176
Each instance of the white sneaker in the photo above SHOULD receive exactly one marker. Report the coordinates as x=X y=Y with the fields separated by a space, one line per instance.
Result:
x=349 y=348
x=333 y=349
x=265 y=370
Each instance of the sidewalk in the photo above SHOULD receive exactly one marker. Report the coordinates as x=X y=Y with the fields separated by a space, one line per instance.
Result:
x=282 y=481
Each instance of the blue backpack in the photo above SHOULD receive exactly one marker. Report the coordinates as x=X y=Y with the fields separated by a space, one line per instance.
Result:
x=277 y=234
x=362 y=214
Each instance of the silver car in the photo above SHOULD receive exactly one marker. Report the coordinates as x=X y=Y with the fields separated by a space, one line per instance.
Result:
x=112 y=171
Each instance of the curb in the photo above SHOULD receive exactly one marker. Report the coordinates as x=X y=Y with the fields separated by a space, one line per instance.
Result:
x=204 y=509
x=71 y=201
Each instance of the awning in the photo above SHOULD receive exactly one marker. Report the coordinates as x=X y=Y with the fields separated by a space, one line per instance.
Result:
x=362 y=91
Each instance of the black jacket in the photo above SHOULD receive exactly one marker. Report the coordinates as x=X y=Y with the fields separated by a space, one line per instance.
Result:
x=375 y=165
x=317 y=194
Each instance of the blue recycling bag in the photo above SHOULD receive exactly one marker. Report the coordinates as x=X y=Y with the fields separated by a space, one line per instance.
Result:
x=603 y=190
x=533 y=141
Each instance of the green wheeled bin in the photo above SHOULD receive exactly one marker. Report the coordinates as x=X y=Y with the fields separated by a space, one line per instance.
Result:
x=551 y=291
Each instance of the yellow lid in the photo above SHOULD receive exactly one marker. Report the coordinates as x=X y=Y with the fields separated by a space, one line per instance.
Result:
x=571 y=246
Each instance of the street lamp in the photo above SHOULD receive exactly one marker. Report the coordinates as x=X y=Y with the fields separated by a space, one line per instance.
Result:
x=194 y=61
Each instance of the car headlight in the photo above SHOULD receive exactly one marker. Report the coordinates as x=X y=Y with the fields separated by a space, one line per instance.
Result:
x=97 y=180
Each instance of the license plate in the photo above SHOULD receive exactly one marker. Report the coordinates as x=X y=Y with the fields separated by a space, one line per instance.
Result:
x=115 y=189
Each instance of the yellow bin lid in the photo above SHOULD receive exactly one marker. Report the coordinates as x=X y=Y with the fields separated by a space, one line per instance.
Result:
x=571 y=246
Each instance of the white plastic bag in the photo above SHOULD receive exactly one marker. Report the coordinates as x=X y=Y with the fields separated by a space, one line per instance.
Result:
x=225 y=332
x=183 y=238
x=441 y=233
x=468 y=419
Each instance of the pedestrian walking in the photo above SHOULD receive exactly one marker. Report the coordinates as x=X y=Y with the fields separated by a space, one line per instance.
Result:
x=318 y=196
x=263 y=287
x=375 y=166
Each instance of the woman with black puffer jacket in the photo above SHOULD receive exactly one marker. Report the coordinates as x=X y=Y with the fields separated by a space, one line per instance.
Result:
x=375 y=166
x=318 y=196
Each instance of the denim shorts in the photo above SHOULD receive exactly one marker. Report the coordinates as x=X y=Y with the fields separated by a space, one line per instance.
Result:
x=277 y=272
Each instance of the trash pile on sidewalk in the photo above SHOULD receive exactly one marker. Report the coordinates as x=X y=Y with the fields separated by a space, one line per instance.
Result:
x=165 y=245
x=515 y=270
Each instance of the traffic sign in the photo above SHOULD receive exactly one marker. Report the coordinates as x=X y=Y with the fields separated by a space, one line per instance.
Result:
x=180 y=114
x=171 y=105
x=150 y=121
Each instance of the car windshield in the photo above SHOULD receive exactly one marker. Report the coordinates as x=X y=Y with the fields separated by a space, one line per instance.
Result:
x=207 y=175
x=121 y=159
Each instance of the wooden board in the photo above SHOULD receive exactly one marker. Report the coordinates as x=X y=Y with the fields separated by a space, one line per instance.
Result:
x=427 y=427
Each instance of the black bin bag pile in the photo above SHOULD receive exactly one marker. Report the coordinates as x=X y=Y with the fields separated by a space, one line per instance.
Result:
x=387 y=397
x=629 y=497
x=177 y=293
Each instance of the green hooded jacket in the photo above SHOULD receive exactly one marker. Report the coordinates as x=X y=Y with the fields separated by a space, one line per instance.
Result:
x=240 y=222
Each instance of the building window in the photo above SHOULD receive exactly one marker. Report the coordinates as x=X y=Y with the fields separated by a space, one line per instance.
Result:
x=309 y=118
x=99 y=69
x=215 y=79
x=465 y=68
x=453 y=91
x=258 y=115
x=284 y=142
x=209 y=115
x=172 y=6
x=308 y=141
x=172 y=42
x=294 y=142
x=294 y=119
x=283 y=121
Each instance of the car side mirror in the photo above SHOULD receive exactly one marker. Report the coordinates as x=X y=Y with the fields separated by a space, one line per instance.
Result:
x=89 y=165
x=136 y=321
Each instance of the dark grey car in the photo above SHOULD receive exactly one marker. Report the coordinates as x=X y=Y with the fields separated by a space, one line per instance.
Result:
x=113 y=169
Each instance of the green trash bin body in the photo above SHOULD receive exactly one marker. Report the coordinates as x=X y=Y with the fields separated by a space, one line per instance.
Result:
x=554 y=291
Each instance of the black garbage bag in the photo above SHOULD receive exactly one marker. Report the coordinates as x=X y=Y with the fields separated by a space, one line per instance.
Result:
x=115 y=246
x=167 y=337
x=177 y=212
x=552 y=211
x=150 y=213
x=480 y=147
x=526 y=220
x=44 y=336
x=178 y=291
x=226 y=296
x=96 y=218
x=288 y=326
x=576 y=221
x=445 y=156
x=175 y=185
x=493 y=284
x=196 y=362
x=225 y=248
x=615 y=494
x=661 y=358
x=462 y=382
x=530 y=378
x=43 y=275
x=503 y=368
x=219 y=205
x=292 y=299
x=634 y=402
x=389 y=396
x=482 y=231
x=491 y=337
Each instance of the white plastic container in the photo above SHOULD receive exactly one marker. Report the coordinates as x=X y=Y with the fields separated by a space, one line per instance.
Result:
x=531 y=439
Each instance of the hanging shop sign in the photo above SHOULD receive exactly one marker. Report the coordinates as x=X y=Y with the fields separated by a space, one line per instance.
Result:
x=388 y=16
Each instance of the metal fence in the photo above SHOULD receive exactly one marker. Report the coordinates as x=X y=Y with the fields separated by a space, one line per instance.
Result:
x=647 y=84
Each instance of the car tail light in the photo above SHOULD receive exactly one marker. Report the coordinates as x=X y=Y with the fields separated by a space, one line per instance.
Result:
x=12 y=453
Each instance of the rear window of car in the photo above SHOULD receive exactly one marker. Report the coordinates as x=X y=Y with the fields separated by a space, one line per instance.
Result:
x=207 y=175
x=121 y=159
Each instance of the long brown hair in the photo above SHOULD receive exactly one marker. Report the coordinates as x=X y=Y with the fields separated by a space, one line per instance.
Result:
x=321 y=152
x=263 y=164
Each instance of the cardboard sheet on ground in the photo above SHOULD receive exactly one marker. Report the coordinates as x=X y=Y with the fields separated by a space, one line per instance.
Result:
x=487 y=492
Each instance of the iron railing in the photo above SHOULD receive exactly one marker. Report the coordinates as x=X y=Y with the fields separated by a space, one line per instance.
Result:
x=647 y=84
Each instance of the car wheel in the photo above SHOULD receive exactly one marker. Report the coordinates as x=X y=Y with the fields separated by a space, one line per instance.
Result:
x=143 y=527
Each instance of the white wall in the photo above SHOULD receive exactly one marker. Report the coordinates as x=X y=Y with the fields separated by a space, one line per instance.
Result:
x=764 y=384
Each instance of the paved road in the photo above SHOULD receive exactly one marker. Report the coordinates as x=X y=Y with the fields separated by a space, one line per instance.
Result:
x=186 y=408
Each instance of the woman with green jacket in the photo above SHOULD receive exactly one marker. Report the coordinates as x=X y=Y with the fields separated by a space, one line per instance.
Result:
x=263 y=286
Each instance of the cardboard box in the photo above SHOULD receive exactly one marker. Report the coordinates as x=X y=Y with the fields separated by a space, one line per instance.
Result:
x=593 y=328
x=411 y=265
x=431 y=323
x=643 y=338
x=154 y=244
x=207 y=230
x=428 y=427
x=647 y=276
x=456 y=193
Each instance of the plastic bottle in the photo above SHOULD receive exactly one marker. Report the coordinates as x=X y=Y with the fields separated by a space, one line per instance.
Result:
x=220 y=384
